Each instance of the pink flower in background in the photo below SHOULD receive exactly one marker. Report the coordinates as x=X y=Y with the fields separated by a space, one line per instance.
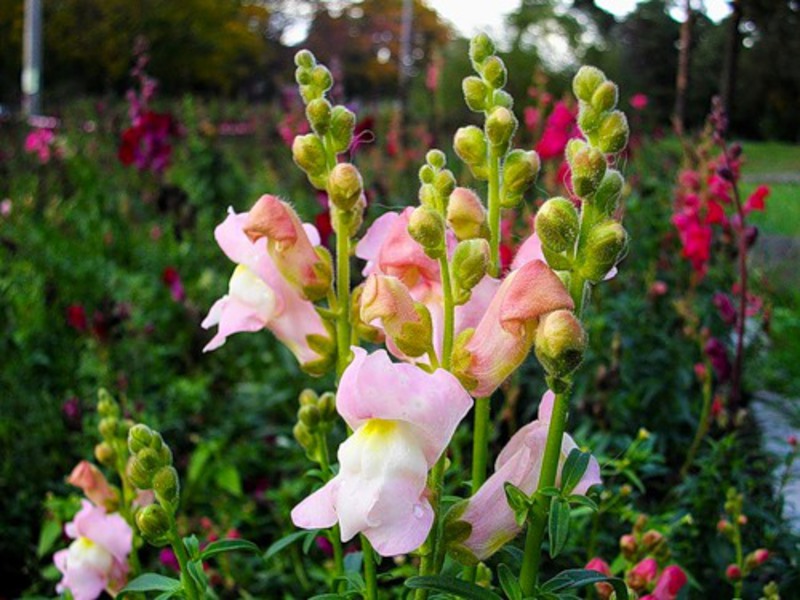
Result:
x=520 y=462
x=670 y=583
x=92 y=482
x=40 y=142
x=561 y=126
x=643 y=574
x=532 y=116
x=5 y=207
x=97 y=559
x=604 y=590
x=724 y=305
x=147 y=144
x=167 y=558
x=756 y=199
x=402 y=418
x=76 y=317
x=172 y=280
x=718 y=355
x=639 y=101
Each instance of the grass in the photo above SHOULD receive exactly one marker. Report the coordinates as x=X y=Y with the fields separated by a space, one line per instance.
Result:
x=763 y=158
x=782 y=213
x=778 y=166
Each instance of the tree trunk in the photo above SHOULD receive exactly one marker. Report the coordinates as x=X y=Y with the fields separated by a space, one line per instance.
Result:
x=729 y=71
x=684 y=61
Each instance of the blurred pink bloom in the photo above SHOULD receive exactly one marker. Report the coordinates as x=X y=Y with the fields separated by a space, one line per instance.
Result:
x=604 y=590
x=40 y=142
x=643 y=574
x=669 y=585
x=5 y=207
x=92 y=482
x=639 y=101
x=172 y=280
x=756 y=199
x=561 y=126
x=259 y=296
x=520 y=462
x=724 y=305
x=402 y=418
x=97 y=559
x=532 y=116
x=167 y=558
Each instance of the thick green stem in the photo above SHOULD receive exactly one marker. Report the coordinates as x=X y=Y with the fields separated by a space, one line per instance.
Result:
x=449 y=314
x=480 y=456
x=370 y=572
x=343 y=333
x=702 y=426
x=737 y=542
x=187 y=581
x=431 y=548
x=494 y=214
x=547 y=478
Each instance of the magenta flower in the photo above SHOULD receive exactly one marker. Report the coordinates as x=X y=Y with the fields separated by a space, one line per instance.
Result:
x=639 y=101
x=40 y=142
x=561 y=126
x=402 y=418
x=520 y=463
x=97 y=559
x=259 y=296
x=669 y=585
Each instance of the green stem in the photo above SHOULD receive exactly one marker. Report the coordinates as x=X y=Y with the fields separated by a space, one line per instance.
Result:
x=480 y=455
x=334 y=537
x=449 y=314
x=737 y=541
x=342 y=295
x=370 y=572
x=187 y=581
x=702 y=426
x=494 y=214
x=547 y=478
x=431 y=548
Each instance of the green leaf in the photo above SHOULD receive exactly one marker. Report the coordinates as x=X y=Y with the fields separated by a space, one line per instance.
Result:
x=197 y=463
x=583 y=501
x=549 y=491
x=509 y=583
x=311 y=537
x=51 y=532
x=195 y=568
x=192 y=545
x=450 y=585
x=167 y=595
x=558 y=525
x=227 y=478
x=575 y=578
x=327 y=597
x=574 y=468
x=151 y=582
x=519 y=502
x=220 y=546
x=283 y=543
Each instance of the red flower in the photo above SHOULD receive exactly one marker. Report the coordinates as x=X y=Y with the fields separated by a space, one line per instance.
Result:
x=76 y=317
x=560 y=128
x=756 y=199
x=639 y=101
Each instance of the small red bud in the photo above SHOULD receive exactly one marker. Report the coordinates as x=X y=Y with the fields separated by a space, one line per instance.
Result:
x=627 y=544
x=742 y=519
x=792 y=439
x=723 y=525
x=761 y=555
x=733 y=572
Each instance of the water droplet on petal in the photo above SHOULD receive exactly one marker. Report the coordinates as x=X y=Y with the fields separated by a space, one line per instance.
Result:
x=418 y=512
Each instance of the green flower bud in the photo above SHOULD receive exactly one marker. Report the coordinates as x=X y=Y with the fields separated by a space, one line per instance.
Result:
x=481 y=47
x=309 y=154
x=612 y=137
x=165 y=455
x=318 y=113
x=343 y=122
x=304 y=437
x=436 y=159
x=494 y=72
x=503 y=98
x=500 y=127
x=321 y=78
x=139 y=437
x=309 y=416
x=167 y=486
x=105 y=454
x=426 y=174
x=470 y=263
x=466 y=215
x=345 y=186
x=589 y=119
x=427 y=195
x=607 y=196
x=106 y=405
x=560 y=343
x=557 y=224
x=445 y=183
x=153 y=523
x=142 y=466
x=305 y=59
x=347 y=224
x=605 y=97
x=327 y=406
x=475 y=92
x=108 y=427
x=520 y=170
x=426 y=227
x=471 y=146
x=605 y=246
x=588 y=168
x=308 y=397
x=586 y=81
x=303 y=79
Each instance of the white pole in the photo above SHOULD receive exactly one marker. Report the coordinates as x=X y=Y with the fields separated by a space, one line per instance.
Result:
x=32 y=58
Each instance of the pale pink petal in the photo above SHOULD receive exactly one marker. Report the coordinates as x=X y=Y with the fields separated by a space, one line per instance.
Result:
x=369 y=246
x=531 y=249
x=546 y=406
x=84 y=584
x=234 y=242
x=234 y=317
x=403 y=535
x=110 y=531
x=317 y=510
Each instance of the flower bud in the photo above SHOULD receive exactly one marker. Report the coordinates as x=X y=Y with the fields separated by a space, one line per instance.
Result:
x=318 y=113
x=500 y=126
x=503 y=98
x=586 y=82
x=724 y=526
x=761 y=556
x=105 y=454
x=342 y=125
x=345 y=186
x=426 y=227
x=108 y=427
x=308 y=397
x=427 y=195
x=560 y=343
x=426 y=174
x=304 y=437
x=466 y=215
x=557 y=224
x=309 y=416
x=153 y=523
x=652 y=540
x=588 y=166
x=167 y=486
x=643 y=574
x=605 y=97
x=436 y=159
x=470 y=263
x=605 y=247
x=481 y=47
x=733 y=572
x=471 y=146
x=309 y=154
x=445 y=183
x=475 y=92
x=303 y=78
x=141 y=467
x=327 y=406
x=608 y=193
x=321 y=78
x=305 y=59
x=612 y=136
x=106 y=405
x=628 y=546
x=494 y=72
x=139 y=437
x=589 y=118
x=520 y=170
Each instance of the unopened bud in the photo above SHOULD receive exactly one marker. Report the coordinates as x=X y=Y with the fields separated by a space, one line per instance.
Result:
x=605 y=96
x=560 y=343
x=502 y=98
x=724 y=526
x=466 y=215
x=108 y=427
x=481 y=47
x=345 y=186
x=475 y=92
x=141 y=468
x=445 y=183
x=426 y=174
x=105 y=454
x=586 y=82
x=588 y=166
x=427 y=195
x=471 y=146
x=500 y=127
x=608 y=193
x=605 y=246
x=341 y=128
x=652 y=539
x=321 y=78
x=520 y=170
x=589 y=118
x=436 y=159
x=557 y=224
x=327 y=406
x=761 y=556
x=318 y=113
x=612 y=136
x=308 y=397
x=304 y=436
x=742 y=520
x=309 y=416
x=106 y=405
x=733 y=572
x=139 y=437
x=309 y=154
x=470 y=263
x=153 y=523
x=167 y=486
x=628 y=546
x=305 y=59
x=494 y=72
x=426 y=227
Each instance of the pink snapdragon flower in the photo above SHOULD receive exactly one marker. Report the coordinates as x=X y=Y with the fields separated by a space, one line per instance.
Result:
x=639 y=101
x=669 y=585
x=97 y=559
x=603 y=589
x=94 y=484
x=520 y=463
x=259 y=296
x=40 y=142
x=560 y=127
x=402 y=420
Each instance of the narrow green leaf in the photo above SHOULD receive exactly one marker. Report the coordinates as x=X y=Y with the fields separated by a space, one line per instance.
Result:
x=558 y=525
x=220 y=546
x=509 y=583
x=583 y=501
x=549 y=491
x=450 y=585
x=311 y=537
x=574 y=468
x=283 y=543
x=192 y=546
x=51 y=531
x=518 y=501
x=575 y=578
x=195 y=568
x=151 y=582
x=227 y=478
